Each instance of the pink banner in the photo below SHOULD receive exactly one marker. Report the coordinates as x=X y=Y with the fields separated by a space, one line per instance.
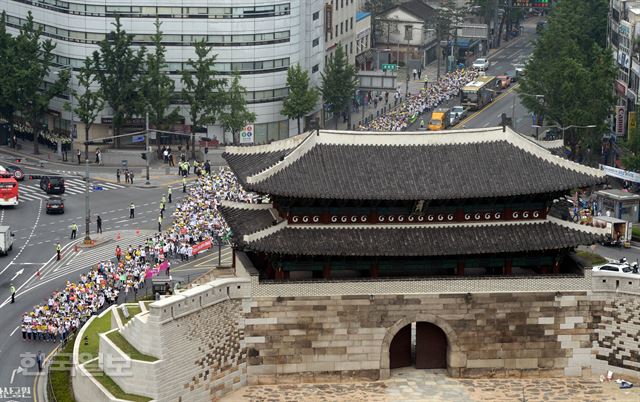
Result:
x=200 y=247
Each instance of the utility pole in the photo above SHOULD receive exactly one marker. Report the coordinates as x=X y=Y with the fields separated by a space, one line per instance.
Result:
x=406 y=67
x=87 y=212
x=146 y=149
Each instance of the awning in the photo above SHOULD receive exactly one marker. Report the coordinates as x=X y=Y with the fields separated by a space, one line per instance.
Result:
x=466 y=43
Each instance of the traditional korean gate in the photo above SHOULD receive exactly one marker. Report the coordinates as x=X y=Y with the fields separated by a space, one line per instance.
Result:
x=400 y=349
x=431 y=346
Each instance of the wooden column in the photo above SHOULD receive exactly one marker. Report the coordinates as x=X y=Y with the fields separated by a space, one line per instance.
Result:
x=375 y=268
x=326 y=269
x=556 y=266
x=508 y=265
x=460 y=268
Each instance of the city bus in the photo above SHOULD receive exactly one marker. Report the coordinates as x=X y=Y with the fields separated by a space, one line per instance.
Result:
x=476 y=94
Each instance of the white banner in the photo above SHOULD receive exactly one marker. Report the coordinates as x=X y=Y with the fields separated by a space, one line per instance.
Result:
x=246 y=135
x=621 y=174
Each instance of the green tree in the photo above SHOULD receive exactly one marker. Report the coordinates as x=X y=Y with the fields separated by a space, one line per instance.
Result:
x=89 y=100
x=202 y=91
x=236 y=115
x=301 y=99
x=119 y=71
x=573 y=73
x=158 y=87
x=339 y=83
x=8 y=73
x=35 y=58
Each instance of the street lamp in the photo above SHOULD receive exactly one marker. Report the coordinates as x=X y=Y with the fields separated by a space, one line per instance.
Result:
x=57 y=72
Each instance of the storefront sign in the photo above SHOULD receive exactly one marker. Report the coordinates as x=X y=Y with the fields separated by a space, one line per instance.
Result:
x=328 y=18
x=620 y=119
x=631 y=123
x=621 y=174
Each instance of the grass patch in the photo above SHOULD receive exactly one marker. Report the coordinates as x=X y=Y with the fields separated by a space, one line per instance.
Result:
x=119 y=340
x=591 y=258
x=59 y=387
x=98 y=326
x=110 y=385
x=133 y=310
x=635 y=232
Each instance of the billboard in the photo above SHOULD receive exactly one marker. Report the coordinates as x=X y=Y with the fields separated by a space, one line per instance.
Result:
x=620 y=119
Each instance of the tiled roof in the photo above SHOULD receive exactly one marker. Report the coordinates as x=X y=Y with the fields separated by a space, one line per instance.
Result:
x=246 y=219
x=420 y=241
x=457 y=164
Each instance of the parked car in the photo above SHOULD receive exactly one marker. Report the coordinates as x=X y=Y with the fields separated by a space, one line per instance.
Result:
x=55 y=205
x=52 y=184
x=504 y=81
x=16 y=171
x=519 y=68
x=481 y=64
x=615 y=268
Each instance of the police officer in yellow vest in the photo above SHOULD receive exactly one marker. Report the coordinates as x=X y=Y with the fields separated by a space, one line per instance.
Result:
x=160 y=224
x=74 y=230
x=169 y=194
x=59 y=251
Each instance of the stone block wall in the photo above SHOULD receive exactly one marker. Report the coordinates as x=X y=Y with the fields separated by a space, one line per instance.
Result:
x=616 y=340
x=341 y=338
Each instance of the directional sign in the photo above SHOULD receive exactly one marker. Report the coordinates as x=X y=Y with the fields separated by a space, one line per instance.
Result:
x=389 y=67
x=137 y=138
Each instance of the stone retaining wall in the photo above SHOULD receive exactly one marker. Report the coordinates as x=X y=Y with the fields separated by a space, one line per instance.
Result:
x=340 y=338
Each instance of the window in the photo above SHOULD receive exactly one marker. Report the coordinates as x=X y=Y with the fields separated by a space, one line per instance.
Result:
x=316 y=15
x=408 y=32
x=336 y=29
x=315 y=42
x=351 y=21
x=351 y=47
x=341 y=3
x=341 y=28
x=315 y=68
x=336 y=5
x=346 y=26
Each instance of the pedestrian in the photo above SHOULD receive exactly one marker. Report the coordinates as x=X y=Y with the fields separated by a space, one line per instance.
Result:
x=12 y=290
x=118 y=175
x=132 y=211
x=162 y=209
x=78 y=154
x=59 y=251
x=131 y=176
x=160 y=224
x=184 y=184
x=99 y=223
x=118 y=253
x=98 y=156
x=207 y=168
x=74 y=230
x=419 y=73
x=169 y=194
x=415 y=74
x=422 y=122
x=40 y=360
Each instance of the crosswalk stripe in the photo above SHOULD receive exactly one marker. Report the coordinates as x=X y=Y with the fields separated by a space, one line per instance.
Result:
x=31 y=191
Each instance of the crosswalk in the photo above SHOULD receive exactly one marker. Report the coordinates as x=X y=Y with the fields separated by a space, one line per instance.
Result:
x=30 y=189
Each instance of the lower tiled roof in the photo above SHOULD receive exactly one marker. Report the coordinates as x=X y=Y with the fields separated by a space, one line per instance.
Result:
x=419 y=241
x=244 y=220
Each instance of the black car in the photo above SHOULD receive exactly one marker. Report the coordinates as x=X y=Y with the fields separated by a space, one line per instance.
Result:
x=52 y=184
x=16 y=171
x=55 y=205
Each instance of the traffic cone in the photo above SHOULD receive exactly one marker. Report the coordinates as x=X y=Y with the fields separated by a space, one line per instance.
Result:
x=38 y=274
x=118 y=236
x=137 y=232
x=75 y=248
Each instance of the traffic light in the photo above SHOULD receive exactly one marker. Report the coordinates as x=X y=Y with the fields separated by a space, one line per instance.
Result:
x=143 y=155
x=206 y=150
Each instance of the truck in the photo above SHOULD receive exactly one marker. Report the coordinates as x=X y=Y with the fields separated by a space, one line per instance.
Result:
x=440 y=119
x=619 y=231
x=6 y=240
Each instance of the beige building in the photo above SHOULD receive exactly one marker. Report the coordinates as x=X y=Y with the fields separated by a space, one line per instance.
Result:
x=363 y=39
x=340 y=28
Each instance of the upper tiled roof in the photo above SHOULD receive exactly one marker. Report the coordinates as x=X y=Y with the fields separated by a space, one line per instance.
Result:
x=474 y=163
x=425 y=240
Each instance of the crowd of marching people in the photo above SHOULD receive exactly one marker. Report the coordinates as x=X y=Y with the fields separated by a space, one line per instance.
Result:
x=22 y=130
x=447 y=87
x=196 y=219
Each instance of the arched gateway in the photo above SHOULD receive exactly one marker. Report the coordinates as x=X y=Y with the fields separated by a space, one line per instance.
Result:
x=434 y=344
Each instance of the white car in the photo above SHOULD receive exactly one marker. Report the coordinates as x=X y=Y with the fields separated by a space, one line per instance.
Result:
x=481 y=64
x=519 y=69
x=616 y=268
x=459 y=112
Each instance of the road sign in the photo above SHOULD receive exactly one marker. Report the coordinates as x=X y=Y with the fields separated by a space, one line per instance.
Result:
x=246 y=135
x=137 y=138
x=389 y=67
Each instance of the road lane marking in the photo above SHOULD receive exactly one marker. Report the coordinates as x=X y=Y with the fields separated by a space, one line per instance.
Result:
x=70 y=260
x=14 y=331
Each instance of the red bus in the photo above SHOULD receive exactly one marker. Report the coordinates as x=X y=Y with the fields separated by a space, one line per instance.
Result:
x=8 y=188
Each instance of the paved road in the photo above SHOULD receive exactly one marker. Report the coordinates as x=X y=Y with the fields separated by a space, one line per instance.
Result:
x=36 y=234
